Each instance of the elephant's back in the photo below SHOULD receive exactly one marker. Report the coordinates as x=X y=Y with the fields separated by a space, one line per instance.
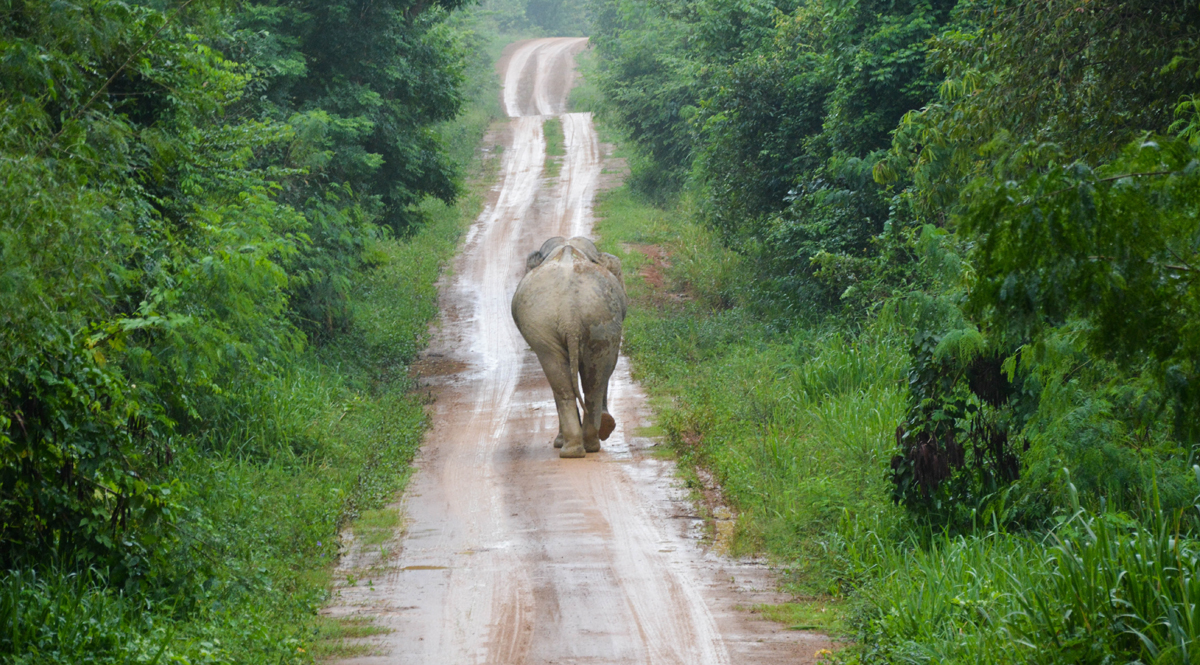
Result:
x=568 y=290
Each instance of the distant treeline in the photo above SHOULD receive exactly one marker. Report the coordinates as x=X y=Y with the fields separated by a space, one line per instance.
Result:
x=1016 y=181
x=530 y=18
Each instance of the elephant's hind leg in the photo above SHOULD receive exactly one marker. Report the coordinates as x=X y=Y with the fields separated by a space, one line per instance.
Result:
x=592 y=408
x=568 y=418
x=570 y=431
x=597 y=423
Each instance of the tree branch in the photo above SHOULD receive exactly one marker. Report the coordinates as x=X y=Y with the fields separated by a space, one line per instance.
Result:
x=1108 y=179
x=1169 y=266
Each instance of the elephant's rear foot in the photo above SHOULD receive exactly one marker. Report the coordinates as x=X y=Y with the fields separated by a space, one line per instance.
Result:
x=559 y=440
x=607 y=425
x=592 y=446
x=572 y=451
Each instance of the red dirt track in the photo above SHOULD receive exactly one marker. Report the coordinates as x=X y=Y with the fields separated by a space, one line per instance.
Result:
x=509 y=554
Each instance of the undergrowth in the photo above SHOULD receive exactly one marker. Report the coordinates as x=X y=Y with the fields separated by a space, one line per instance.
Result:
x=252 y=565
x=797 y=424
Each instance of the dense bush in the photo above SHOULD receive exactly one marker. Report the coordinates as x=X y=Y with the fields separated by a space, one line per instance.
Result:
x=191 y=198
x=144 y=267
x=363 y=88
x=1000 y=174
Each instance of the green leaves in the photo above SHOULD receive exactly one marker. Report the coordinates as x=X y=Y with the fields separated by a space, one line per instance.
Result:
x=362 y=86
x=144 y=264
x=1116 y=245
x=175 y=197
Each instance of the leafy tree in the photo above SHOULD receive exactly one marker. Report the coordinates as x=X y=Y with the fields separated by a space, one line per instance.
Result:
x=1026 y=151
x=143 y=285
x=757 y=128
x=647 y=79
x=1047 y=147
x=1116 y=246
x=790 y=132
x=364 y=86
x=168 y=216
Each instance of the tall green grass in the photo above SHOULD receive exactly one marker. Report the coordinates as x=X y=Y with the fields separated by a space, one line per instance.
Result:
x=1100 y=588
x=68 y=618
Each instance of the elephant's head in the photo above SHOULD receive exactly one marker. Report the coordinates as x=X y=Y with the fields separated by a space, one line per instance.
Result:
x=536 y=258
x=613 y=265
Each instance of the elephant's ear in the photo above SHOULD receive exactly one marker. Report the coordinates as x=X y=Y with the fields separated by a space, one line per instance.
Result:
x=533 y=260
x=613 y=265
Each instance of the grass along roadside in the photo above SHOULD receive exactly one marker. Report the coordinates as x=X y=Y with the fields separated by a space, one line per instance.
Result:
x=796 y=423
x=555 y=151
x=823 y=615
x=785 y=424
x=794 y=426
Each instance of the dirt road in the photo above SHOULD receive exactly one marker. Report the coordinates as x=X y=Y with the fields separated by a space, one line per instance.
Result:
x=509 y=554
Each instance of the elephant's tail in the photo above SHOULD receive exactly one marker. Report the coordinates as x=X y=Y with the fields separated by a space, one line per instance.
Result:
x=573 y=359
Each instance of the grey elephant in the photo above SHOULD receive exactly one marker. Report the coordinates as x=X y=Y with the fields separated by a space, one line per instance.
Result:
x=569 y=307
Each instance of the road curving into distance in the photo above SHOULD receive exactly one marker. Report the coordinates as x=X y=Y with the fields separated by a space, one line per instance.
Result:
x=509 y=554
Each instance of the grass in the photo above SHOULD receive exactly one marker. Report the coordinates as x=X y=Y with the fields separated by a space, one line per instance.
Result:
x=586 y=96
x=553 y=130
x=375 y=527
x=1100 y=587
x=824 y=615
x=343 y=638
x=796 y=428
x=68 y=617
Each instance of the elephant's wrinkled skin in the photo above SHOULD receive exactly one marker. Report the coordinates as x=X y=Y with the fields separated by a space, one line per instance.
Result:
x=569 y=307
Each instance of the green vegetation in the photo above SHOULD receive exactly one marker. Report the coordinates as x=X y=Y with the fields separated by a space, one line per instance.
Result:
x=259 y=526
x=552 y=128
x=341 y=638
x=795 y=427
x=506 y=21
x=918 y=287
x=219 y=241
x=820 y=615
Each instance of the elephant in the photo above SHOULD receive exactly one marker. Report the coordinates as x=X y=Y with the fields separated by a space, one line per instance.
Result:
x=570 y=307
